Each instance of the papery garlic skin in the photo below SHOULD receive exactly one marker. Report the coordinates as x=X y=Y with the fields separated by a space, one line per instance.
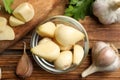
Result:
x=107 y=11
x=25 y=67
x=98 y=46
x=103 y=54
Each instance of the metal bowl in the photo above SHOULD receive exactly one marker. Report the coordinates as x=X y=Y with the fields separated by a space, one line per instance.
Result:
x=64 y=20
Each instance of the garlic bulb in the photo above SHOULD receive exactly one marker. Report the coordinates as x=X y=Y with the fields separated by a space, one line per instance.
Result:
x=105 y=57
x=107 y=11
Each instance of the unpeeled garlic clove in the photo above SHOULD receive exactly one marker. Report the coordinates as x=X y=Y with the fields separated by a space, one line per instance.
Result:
x=24 y=67
x=106 y=59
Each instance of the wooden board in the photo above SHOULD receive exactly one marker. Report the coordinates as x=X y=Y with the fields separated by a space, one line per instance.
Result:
x=42 y=9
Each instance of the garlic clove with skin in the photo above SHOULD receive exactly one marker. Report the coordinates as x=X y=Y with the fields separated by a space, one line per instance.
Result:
x=106 y=59
x=25 y=67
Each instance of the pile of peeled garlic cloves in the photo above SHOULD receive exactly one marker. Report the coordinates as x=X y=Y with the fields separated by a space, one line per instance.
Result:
x=105 y=57
x=25 y=67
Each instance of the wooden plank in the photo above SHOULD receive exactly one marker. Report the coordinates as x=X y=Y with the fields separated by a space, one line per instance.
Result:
x=99 y=32
x=9 y=60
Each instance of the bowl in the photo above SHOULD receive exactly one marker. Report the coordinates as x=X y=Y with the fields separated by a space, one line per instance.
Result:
x=67 y=21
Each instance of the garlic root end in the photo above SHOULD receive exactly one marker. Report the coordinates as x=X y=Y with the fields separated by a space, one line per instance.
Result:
x=89 y=70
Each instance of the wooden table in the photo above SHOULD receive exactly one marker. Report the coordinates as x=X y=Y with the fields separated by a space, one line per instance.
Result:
x=96 y=32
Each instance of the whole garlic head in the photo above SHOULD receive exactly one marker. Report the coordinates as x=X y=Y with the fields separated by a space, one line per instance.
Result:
x=107 y=11
x=105 y=57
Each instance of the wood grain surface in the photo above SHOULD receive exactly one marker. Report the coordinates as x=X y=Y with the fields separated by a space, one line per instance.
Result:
x=96 y=32
x=99 y=32
x=10 y=58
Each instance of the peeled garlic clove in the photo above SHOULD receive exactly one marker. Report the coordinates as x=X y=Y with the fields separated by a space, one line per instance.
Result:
x=64 y=61
x=44 y=40
x=3 y=23
x=46 y=29
x=15 y=22
x=78 y=54
x=64 y=48
x=7 y=34
x=66 y=35
x=48 y=50
x=24 y=12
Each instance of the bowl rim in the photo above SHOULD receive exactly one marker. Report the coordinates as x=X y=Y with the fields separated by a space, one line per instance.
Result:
x=44 y=64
